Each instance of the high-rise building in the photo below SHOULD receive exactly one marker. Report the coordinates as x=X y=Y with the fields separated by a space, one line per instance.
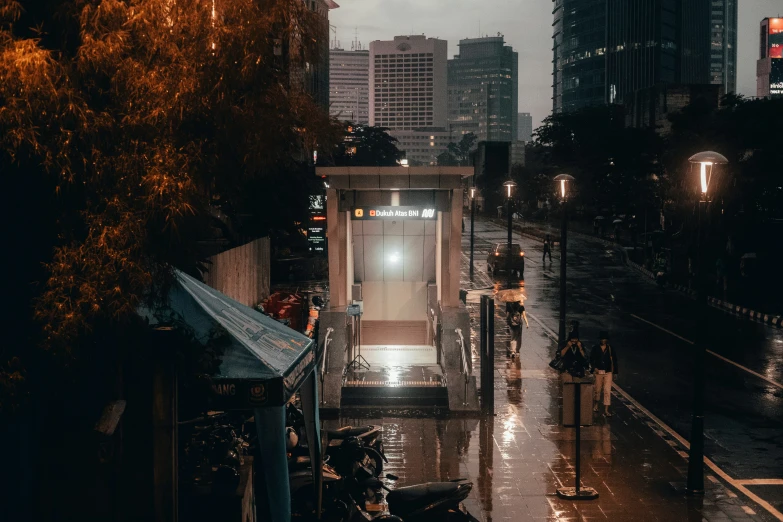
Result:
x=408 y=83
x=483 y=89
x=525 y=127
x=315 y=75
x=605 y=50
x=769 y=68
x=579 y=46
x=723 y=44
x=349 y=88
x=408 y=94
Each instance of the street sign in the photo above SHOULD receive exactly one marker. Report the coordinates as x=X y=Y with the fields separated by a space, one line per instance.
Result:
x=354 y=310
x=383 y=212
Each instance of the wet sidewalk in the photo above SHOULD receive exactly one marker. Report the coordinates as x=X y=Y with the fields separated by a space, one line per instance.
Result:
x=518 y=458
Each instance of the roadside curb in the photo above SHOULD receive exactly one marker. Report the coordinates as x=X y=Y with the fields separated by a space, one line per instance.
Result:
x=772 y=320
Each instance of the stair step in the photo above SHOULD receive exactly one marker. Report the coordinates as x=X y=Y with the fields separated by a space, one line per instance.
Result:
x=431 y=395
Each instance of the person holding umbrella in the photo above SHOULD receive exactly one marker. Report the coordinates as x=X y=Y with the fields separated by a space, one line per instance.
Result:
x=603 y=360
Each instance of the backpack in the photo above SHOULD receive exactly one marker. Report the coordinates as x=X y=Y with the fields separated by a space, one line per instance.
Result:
x=516 y=319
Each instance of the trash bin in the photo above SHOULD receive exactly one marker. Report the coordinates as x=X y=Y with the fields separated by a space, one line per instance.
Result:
x=586 y=396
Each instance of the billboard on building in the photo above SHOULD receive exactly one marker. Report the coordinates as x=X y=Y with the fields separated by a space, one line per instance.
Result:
x=775 y=38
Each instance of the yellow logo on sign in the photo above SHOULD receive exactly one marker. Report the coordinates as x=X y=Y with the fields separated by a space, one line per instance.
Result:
x=358 y=212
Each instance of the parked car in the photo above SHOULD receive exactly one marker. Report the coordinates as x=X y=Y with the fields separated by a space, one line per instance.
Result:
x=498 y=258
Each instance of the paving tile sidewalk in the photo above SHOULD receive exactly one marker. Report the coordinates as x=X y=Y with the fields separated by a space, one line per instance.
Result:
x=638 y=470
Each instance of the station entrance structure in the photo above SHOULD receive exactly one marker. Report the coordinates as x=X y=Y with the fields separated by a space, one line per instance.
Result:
x=395 y=244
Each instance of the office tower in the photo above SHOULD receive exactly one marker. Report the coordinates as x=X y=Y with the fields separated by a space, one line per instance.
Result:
x=769 y=68
x=408 y=83
x=315 y=76
x=579 y=46
x=605 y=50
x=723 y=44
x=349 y=76
x=408 y=94
x=483 y=89
x=525 y=127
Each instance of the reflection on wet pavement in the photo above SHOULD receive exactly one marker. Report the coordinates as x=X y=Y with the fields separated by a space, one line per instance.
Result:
x=519 y=457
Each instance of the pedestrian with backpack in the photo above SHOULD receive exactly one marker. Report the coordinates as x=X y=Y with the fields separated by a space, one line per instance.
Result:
x=603 y=359
x=515 y=316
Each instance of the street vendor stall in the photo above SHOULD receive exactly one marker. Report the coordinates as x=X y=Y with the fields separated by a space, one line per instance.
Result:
x=262 y=367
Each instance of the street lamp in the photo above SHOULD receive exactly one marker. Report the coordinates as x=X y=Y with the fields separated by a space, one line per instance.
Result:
x=695 y=485
x=472 y=194
x=509 y=186
x=563 y=182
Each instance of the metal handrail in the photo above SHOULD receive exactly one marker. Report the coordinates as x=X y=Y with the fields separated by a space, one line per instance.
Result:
x=324 y=366
x=463 y=363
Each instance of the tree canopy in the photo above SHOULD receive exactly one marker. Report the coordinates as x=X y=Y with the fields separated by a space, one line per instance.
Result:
x=125 y=127
x=368 y=146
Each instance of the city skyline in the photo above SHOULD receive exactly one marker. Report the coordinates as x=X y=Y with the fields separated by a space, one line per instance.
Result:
x=527 y=28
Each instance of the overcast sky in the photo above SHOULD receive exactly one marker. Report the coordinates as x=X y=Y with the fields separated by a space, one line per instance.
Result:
x=527 y=26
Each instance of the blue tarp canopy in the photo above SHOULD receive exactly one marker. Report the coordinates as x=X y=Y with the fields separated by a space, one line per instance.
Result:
x=264 y=363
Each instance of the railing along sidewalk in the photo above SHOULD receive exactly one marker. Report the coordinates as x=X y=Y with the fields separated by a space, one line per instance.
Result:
x=464 y=366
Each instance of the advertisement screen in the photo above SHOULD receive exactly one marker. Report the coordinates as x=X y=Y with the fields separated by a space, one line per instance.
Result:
x=776 y=78
x=776 y=38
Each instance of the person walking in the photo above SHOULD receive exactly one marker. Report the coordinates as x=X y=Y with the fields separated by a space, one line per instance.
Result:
x=603 y=360
x=547 y=249
x=515 y=316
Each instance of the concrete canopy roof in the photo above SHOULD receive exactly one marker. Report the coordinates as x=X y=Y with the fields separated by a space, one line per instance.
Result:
x=369 y=178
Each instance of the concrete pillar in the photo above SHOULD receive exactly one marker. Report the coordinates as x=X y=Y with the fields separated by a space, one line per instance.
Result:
x=336 y=232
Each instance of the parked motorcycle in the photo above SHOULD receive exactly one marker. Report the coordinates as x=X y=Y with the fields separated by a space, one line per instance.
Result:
x=428 y=501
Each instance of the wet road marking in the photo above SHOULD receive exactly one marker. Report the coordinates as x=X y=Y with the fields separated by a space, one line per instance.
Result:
x=761 y=482
x=737 y=484
x=747 y=510
x=719 y=356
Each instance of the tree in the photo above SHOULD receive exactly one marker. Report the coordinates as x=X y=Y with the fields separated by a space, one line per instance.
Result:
x=124 y=126
x=461 y=151
x=368 y=146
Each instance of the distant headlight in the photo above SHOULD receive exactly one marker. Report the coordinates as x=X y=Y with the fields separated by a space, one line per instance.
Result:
x=521 y=254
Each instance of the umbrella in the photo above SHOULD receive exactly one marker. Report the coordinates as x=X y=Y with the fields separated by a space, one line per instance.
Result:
x=616 y=221
x=511 y=295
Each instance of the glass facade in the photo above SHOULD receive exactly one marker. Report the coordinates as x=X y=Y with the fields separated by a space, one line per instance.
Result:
x=579 y=46
x=483 y=90
x=723 y=44
x=606 y=49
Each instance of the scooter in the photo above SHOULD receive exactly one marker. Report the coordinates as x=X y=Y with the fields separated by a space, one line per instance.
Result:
x=428 y=501
x=344 y=444
x=337 y=504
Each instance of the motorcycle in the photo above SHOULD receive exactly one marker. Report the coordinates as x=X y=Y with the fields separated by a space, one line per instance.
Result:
x=346 y=445
x=428 y=501
x=338 y=505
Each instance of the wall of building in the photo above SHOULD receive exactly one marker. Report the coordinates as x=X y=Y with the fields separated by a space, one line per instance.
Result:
x=483 y=89
x=408 y=82
x=241 y=273
x=349 y=77
x=424 y=145
x=394 y=301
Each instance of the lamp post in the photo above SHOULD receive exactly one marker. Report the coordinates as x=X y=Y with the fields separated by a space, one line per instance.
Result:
x=472 y=193
x=695 y=485
x=563 y=181
x=509 y=185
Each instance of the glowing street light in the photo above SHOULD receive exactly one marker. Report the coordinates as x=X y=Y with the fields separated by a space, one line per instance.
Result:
x=707 y=161
x=563 y=183
x=695 y=485
x=510 y=186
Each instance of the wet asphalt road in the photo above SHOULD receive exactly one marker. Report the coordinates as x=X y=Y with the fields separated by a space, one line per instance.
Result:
x=743 y=411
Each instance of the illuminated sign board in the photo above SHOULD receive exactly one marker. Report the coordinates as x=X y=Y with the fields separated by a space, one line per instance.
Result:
x=316 y=231
x=776 y=78
x=372 y=213
x=775 y=40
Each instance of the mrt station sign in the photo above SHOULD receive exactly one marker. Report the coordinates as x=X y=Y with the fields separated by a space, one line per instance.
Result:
x=383 y=212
